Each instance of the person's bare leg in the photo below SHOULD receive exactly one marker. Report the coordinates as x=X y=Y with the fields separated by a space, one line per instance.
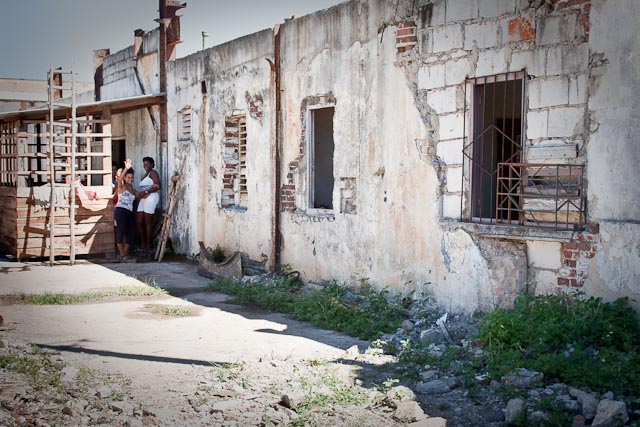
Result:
x=149 y=225
x=121 y=249
x=140 y=230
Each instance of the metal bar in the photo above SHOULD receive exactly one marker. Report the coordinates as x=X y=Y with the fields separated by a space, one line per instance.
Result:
x=481 y=152
x=522 y=180
x=567 y=196
x=72 y=195
x=464 y=134
x=52 y=177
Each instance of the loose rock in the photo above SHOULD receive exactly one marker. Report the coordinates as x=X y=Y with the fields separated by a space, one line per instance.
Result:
x=611 y=413
x=523 y=378
x=409 y=411
x=433 y=387
x=103 y=392
x=399 y=394
x=515 y=408
x=588 y=403
x=432 y=336
x=430 y=422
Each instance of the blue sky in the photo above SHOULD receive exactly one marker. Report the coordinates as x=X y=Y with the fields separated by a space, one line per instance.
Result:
x=35 y=34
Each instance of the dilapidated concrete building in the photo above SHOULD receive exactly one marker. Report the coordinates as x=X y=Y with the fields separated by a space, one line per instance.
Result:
x=22 y=94
x=470 y=150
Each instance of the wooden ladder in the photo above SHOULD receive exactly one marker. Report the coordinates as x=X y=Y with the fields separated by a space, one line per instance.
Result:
x=62 y=160
x=171 y=205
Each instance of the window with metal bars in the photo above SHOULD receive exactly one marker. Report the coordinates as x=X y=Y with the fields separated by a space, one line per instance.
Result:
x=184 y=124
x=242 y=190
x=495 y=136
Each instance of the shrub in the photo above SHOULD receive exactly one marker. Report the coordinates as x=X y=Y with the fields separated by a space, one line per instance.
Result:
x=577 y=340
x=364 y=316
x=217 y=255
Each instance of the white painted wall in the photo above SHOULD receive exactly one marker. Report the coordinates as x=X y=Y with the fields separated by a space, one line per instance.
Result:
x=386 y=105
x=613 y=148
x=136 y=127
x=230 y=70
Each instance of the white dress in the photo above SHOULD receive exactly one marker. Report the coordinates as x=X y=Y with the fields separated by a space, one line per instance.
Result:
x=148 y=204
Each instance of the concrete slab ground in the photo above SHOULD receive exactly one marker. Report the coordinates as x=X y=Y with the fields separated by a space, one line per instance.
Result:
x=39 y=278
x=131 y=336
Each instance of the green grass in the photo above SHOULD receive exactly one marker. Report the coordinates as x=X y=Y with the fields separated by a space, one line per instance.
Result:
x=39 y=367
x=170 y=310
x=365 y=316
x=176 y=311
x=580 y=341
x=323 y=392
x=66 y=299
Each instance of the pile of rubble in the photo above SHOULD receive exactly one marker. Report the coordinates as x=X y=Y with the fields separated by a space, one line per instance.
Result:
x=441 y=389
x=38 y=389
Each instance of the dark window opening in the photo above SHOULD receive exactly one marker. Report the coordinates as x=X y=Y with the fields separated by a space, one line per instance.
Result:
x=497 y=115
x=321 y=164
x=118 y=152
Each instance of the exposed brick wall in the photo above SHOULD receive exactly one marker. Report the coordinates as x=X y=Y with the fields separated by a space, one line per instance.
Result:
x=406 y=36
x=254 y=105
x=576 y=257
x=288 y=194
x=230 y=158
x=521 y=28
x=582 y=7
x=288 y=188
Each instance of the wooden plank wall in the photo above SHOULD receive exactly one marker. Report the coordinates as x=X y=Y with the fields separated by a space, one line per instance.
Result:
x=8 y=228
x=94 y=225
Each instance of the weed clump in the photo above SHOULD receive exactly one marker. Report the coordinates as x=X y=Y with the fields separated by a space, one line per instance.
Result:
x=49 y=298
x=332 y=307
x=217 y=254
x=577 y=340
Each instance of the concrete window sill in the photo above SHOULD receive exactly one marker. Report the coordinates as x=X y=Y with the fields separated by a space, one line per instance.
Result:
x=235 y=209
x=511 y=232
x=316 y=214
x=319 y=212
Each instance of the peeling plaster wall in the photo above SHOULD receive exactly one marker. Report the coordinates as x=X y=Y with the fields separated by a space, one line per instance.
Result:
x=614 y=148
x=140 y=138
x=230 y=71
x=393 y=238
x=119 y=81
x=395 y=74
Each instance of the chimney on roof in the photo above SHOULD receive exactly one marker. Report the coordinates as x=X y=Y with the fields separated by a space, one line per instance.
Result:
x=98 y=58
x=137 y=43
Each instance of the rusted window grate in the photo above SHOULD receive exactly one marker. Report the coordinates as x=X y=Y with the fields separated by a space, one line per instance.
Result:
x=243 y=190
x=541 y=195
x=184 y=124
x=495 y=134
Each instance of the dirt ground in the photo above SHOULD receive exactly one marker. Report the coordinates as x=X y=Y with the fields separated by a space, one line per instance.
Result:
x=167 y=360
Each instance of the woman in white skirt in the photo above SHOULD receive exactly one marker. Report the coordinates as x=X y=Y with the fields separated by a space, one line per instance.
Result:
x=149 y=199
